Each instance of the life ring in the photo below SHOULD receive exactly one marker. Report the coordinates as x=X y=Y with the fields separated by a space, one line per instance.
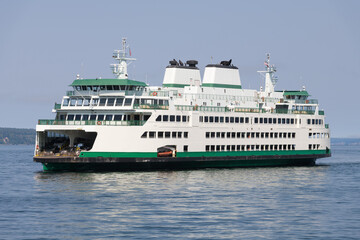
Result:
x=154 y=93
x=307 y=101
x=98 y=122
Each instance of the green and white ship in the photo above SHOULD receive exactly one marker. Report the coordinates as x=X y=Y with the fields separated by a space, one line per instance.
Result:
x=188 y=122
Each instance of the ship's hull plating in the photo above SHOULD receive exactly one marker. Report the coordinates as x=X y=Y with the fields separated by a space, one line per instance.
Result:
x=178 y=163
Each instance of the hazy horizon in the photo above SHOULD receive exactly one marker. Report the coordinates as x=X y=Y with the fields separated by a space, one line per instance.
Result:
x=44 y=44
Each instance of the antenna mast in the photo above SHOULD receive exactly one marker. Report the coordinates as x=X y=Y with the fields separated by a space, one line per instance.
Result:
x=270 y=78
x=120 y=68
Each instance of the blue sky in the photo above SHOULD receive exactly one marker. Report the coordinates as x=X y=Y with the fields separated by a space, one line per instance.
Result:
x=44 y=44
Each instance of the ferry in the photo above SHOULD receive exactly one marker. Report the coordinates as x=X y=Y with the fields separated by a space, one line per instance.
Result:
x=189 y=122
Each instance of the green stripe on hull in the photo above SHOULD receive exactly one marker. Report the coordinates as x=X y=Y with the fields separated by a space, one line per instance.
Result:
x=202 y=154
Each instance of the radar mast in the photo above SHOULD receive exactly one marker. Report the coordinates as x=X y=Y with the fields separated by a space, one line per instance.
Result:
x=120 y=68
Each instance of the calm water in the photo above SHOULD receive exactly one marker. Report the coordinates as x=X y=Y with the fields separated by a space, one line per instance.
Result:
x=321 y=202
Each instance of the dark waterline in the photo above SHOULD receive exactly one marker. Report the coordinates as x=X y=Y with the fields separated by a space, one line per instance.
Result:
x=320 y=202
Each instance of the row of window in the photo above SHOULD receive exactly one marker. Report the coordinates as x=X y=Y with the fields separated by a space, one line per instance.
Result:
x=319 y=135
x=108 y=87
x=315 y=121
x=257 y=120
x=271 y=147
x=275 y=120
x=250 y=135
x=314 y=146
x=101 y=117
x=164 y=134
x=217 y=119
x=172 y=118
x=110 y=102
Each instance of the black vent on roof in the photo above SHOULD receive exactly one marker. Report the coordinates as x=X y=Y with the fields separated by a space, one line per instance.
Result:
x=192 y=63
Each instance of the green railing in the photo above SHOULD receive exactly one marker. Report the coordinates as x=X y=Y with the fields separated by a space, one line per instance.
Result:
x=201 y=108
x=57 y=106
x=151 y=106
x=250 y=110
x=321 y=112
x=285 y=111
x=91 y=122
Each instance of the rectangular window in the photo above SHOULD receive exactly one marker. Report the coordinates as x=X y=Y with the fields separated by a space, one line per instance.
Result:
x=261 y=120
x=87 y=102
x=212 y=134
x=201 y=119
x=262 y=135
x=167 y=134
x=108 y=117
x=257 y=135
x=73 y=102
x=77 y=117
x=283 y=121
x=172 y=118
x=79 y=102
x=279 y=120
x=119 y=102
x=102 y=102
x=152 y=134
x=110 y=102
x=270 y=120
x=184 y=118
x=186 y=148
x=117 y=117
x=222 y=135
x=274 y=120
x=179 y=134
x=241 y=119
x=66 y=102
x=265 y=120
x=246 y=120
x=217 y=147
x=207 y=148
x=226 y=119
x=287 y=121
x=207 y=134
x=206 y=119
x=218 y=134
x=308 y=121
x=92 y=117
x=211 y=119
x=233 y=134
x=186 y=134
x=256 y=120
x=228 y=135
x=292 y=121
x=100 y=117
x=232 y=119
x=128 y=101
x=70 y=117
x=165 y=118
x=221 y=119
x=85 y=117
x=178 y=118
x=217 y=119
x=160 y=134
